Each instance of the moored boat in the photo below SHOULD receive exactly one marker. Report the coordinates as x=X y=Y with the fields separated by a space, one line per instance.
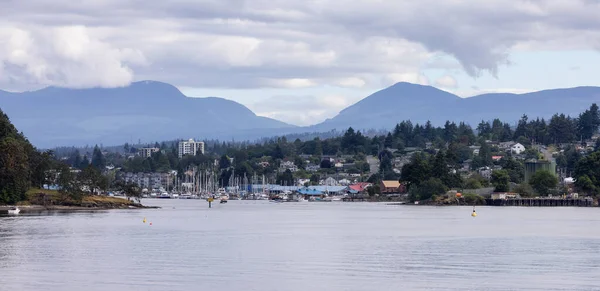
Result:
x=14 y=210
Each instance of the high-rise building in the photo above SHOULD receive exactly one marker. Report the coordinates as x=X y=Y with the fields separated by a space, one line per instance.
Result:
x=147 y=152
x=190 y=147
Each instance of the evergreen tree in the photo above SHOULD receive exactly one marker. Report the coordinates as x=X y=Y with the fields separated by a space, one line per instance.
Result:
x=98 y=160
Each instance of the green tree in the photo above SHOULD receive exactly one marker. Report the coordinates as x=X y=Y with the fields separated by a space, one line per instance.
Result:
x=588 y=122
x=130 y=190
x=427 y=189
x=98 y=159
x=69 y=185
x=585 y=184
x=542 y=181
x=562 y=129
x=587 y=173
x=92 y=179
x=14 y=170
x=501 y=181
x=525 y=190
x=286 y=178
x=417 y=171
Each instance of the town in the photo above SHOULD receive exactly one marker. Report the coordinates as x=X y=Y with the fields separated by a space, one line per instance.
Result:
x=453 y=164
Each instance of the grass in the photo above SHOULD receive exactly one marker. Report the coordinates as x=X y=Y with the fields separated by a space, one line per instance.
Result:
x=58 y=198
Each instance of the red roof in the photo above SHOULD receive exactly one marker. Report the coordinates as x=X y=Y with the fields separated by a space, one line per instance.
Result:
x=359 y=186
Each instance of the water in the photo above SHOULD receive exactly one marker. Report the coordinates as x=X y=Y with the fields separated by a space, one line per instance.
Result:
x=256 y=245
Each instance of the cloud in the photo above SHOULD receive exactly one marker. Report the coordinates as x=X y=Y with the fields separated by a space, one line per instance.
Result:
x=302 y=110
x=64 y=56
x=250 y=44
x=447 y=82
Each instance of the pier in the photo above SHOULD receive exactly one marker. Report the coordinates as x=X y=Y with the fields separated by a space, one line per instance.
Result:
x=542 y=202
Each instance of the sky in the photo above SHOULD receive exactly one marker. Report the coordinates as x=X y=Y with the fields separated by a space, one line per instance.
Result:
x=300 y=61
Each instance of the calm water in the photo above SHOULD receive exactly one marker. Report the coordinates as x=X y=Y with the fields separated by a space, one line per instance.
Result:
x=255 y=245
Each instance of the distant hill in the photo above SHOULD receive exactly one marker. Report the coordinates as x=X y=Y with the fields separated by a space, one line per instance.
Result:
x=155 y=111
x=418 y=103
x=146 y=110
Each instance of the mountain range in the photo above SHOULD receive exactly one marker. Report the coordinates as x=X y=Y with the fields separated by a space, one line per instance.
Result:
x=155 y=111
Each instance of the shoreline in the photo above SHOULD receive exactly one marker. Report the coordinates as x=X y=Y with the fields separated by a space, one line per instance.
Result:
x=40 y=208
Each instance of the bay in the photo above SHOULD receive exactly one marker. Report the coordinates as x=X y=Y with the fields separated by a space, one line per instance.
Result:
x=257 y=245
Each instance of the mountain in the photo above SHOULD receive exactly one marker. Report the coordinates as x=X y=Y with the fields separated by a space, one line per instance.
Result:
x=418 y=103
x=147 y=110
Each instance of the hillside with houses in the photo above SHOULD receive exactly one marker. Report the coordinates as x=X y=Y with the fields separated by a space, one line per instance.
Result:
x=414 y=162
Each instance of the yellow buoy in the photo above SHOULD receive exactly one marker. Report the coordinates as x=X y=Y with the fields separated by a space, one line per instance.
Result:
x=474 y=214
x=144 y=219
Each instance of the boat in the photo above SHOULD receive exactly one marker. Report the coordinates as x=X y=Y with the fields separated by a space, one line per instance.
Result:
x=224 y=199
x=14 y=210
x=164 y=195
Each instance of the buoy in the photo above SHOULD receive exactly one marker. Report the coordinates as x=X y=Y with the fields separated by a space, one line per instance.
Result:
x=150 y=223
x=474 y=214
x=144 y=219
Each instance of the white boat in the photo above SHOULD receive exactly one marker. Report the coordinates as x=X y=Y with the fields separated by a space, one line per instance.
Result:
x=14 y=210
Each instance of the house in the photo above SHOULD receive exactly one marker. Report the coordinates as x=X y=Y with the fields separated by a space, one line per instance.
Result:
x=392 y=187
x=329 y=182
x=339 y=165
x=506 y=145
x=517 y=148
x=312 y=168
x=263 y=164
x=344 y=182
x=475 y=149
x=287 y=165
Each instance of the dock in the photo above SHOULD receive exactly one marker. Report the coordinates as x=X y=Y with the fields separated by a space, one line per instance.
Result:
x=542 y=202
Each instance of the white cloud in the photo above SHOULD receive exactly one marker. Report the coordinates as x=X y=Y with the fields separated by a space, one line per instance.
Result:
x=447 y=82
x=302 y=110
x=64 y=56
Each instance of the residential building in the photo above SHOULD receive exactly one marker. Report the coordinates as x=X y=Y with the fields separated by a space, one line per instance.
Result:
x=312 y=168
x=287 y=165
x=517 y=148
x=392 y=187
x=148 y=180
x=506 y=145
x=190 y=147
x=147 y=152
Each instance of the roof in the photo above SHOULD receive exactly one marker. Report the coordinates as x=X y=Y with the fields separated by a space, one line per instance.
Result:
x=359 y=186
x=391 y=184
x=308 y=191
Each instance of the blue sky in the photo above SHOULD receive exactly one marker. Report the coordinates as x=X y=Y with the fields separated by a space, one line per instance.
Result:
x=298 y=61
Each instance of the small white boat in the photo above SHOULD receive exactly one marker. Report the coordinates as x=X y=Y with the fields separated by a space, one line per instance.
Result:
x=14 y=210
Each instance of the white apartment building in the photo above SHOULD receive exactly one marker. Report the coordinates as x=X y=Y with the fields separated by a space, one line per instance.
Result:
x=147 y=152
x=190 y=147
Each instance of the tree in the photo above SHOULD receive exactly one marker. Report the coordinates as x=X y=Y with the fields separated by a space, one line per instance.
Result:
x=224 y=162
x=14 y=170
x=286 y=178
x=130 y=190
x=69 y=185
x=501 y=181
x=585 y=184
x=427 y=189
x=542 y=181
x=524 y=190
x=588 y=122
x=326 y=164
x=417 y=171
x=562 y=129
x=587 y=172
x=92 y=179
x=98 y=159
